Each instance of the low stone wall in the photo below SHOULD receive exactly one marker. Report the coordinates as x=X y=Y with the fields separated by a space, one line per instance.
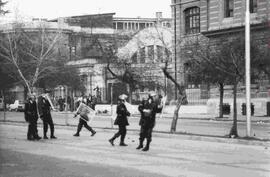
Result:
x=259 y=105
x=169 y=109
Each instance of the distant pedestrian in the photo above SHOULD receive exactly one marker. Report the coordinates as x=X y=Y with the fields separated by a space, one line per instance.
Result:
x=148 y=109
x=83 y=110
x=44 y=108
x=121 y=120
x=31 y=116
x=61 y=104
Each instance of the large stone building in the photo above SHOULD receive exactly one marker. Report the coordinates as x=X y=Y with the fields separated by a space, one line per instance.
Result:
x=87 y=36
x=216 y=19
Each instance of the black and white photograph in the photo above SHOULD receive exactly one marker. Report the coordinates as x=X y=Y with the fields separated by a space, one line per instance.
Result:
x=145 y=88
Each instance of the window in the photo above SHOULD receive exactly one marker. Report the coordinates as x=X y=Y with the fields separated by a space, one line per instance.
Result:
x=192 y=20
x=134 y=58
x=142 y=55
x=228 y=8
x=253 y=6
x=151 y=53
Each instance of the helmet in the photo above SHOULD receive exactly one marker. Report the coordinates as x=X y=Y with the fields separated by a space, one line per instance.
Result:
x=152 y=94
x=122 y=97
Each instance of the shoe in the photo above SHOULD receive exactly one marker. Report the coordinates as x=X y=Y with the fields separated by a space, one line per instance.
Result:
x=111 y=141
x=53 y=137
x=93 y=133
x=123 y=144
x=76 y=134
x=30 y=139
x=37 y=138
x=140 y=146
x=45 y=137
x=146 y=148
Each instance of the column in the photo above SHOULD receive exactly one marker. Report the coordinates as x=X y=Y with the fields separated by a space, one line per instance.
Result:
x=155 y=53
x=146 y=55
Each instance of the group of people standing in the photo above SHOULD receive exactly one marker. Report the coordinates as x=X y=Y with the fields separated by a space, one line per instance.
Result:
x=43 y=109
x=148 y=109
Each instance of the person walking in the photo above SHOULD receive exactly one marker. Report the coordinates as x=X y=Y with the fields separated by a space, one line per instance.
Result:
x=44 y=109
x=83 y=110
x=121 y=120
x=31 y=116
x=148 y=109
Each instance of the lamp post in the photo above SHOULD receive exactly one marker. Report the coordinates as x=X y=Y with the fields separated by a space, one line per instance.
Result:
x=247 y=66
x=175 y=58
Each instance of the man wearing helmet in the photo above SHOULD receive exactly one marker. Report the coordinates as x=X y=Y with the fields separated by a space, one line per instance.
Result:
x=148 y=109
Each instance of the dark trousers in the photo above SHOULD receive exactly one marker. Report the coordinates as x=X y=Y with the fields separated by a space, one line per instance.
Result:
x=84 y=123
x=122 y=131
x=32 y=130
x=47 y=120
x=146 y=132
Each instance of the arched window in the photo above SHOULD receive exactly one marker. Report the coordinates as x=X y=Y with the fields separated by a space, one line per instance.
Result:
x=192 y=20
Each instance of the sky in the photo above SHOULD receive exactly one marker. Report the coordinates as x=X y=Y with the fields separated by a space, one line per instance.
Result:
x=59 y=8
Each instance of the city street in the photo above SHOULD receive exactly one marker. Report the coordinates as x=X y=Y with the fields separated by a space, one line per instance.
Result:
x=198 y=126
x=169 y=155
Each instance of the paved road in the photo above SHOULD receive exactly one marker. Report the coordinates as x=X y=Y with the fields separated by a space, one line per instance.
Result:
x=169 y=155
x=191 y=126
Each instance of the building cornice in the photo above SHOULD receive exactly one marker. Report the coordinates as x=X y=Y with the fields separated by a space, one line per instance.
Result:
x=182 y=3
x=232 y=30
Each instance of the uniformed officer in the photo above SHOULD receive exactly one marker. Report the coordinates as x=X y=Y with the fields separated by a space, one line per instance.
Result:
x=31 y=116
x=44 y=109
x=121 y=120
x=148 y=109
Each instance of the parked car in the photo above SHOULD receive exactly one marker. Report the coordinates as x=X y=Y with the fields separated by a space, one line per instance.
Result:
x=17 y=106
x=1 y=104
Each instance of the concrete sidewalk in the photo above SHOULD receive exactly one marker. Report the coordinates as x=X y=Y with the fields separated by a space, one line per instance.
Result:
x=191 y=124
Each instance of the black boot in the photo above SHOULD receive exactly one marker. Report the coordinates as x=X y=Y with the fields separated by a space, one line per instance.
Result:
x=122 y=144
x=146 y=148
x=76 y=134
x=112 y=139
x=122 y=140
x=140 y=145
x=90 y=129
x=93 y=132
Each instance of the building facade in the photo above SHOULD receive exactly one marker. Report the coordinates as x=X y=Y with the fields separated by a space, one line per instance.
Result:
x=87 y=36
x=216 y=19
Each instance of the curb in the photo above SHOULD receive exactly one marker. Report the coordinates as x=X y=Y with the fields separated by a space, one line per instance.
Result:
x=182 y=135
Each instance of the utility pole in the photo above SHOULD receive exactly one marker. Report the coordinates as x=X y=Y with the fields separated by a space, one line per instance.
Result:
x=247 y=56
x=175 y=53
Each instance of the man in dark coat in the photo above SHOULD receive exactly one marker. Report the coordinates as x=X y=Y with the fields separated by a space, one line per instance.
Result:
x=148 y=109
x=121 y=120
x=44 y=109
x=31 y=116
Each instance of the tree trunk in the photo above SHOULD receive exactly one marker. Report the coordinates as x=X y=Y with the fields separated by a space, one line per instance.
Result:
x=221 y=95
x=233 y=132
x=175 y=115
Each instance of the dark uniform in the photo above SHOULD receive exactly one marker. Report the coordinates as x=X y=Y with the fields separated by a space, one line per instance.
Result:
x=44 y=108
x=31 y=116
x=148 y=109
x=122 y=121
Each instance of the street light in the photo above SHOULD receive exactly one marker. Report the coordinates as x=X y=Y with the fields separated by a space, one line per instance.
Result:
x=247 y=56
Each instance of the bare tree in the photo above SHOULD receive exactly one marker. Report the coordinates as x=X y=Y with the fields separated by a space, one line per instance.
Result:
x=227 y=60
x=30 y=54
